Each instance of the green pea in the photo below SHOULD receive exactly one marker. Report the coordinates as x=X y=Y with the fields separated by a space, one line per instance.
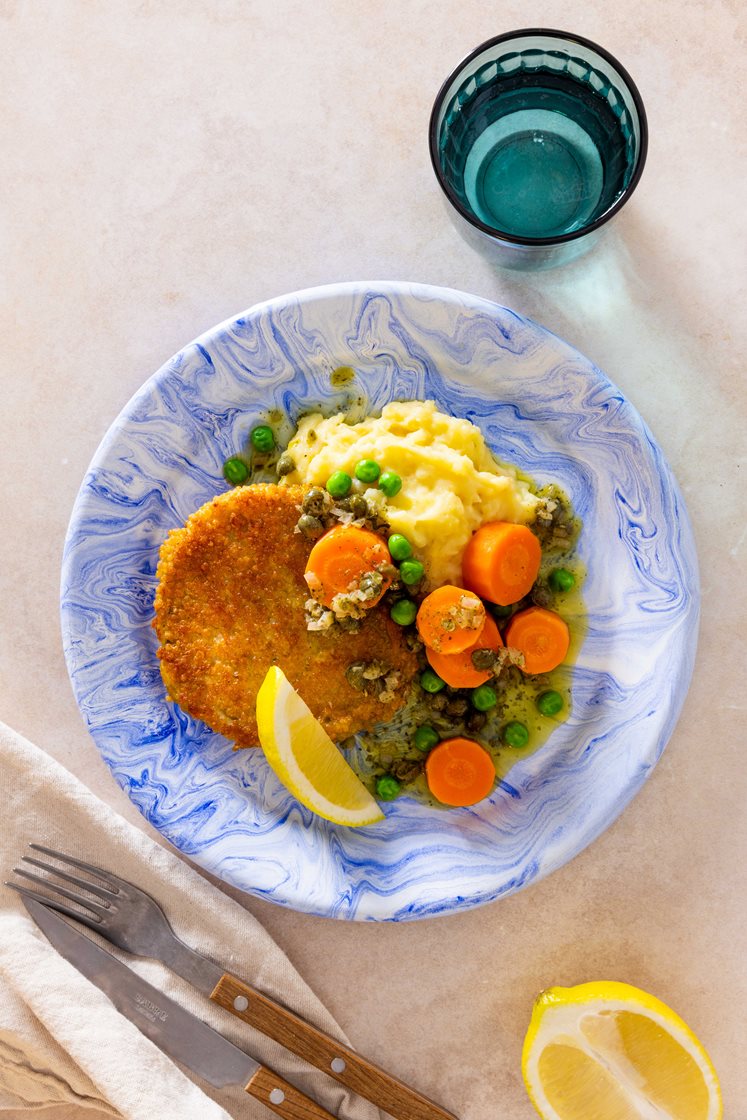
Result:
x=339 y=484
x=561 y=579
x=387 y=788
x=550 y=702
x=235 y=471
x=515 y=734
x=426 y=737
x=367 y=470
x=431 y=681
x=484 y=698
x=390 y=483
x=262 y=438
x=411 y=571
x=404 y=612
x=399 y=547
x=500 y=612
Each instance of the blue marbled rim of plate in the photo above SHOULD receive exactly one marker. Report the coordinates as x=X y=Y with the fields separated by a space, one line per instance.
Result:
x=542 y=406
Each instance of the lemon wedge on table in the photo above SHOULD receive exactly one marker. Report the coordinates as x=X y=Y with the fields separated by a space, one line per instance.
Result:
x=306 y=760
x=608 y=1051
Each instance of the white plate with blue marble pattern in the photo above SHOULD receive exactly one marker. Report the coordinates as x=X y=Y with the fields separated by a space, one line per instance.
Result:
x=541 y=406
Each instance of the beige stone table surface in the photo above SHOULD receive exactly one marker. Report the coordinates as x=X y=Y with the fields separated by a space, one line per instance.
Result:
x=167 y=164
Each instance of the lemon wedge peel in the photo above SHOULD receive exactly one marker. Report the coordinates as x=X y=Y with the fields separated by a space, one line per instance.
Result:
x=306 y=760
x=567 y=1018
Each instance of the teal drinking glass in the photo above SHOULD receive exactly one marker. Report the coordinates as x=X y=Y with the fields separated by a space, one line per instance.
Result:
x=538 y=138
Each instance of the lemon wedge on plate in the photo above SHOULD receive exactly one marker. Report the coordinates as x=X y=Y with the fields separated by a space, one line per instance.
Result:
x=608 y=1051
x=306 y=760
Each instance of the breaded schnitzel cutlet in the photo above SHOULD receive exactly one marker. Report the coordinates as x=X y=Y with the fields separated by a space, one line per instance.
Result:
x=230 y=603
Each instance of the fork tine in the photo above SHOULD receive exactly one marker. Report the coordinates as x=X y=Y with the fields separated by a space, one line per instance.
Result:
x=74 y=879
x=53 y=904
x=57 y=889
x=107 y=877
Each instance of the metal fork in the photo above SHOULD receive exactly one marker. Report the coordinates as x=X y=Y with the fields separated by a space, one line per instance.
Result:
x=121 y=912
x=129 y=918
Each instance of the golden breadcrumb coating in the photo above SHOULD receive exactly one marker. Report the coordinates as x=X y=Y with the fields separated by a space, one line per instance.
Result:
x=230 y=603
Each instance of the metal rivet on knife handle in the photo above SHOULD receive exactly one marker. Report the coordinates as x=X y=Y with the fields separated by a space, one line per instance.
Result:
x=325 y=1053
x=283 y=1098
x=241 y=1003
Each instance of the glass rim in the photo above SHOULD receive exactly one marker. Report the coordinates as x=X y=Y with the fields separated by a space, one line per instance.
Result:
x=603 y=218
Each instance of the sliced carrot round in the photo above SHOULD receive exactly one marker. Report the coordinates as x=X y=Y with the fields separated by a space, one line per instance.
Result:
x=542 y=636
x=339 y=559
x=450 y=618
x=459 y=772
x=457 y=668
x=501 y=562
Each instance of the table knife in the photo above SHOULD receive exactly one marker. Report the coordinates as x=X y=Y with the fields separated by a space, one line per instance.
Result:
x=174 y=1030
x=130 y=918
x=154 y=937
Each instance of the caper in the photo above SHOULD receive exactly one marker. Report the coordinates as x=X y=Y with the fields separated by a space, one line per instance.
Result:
x=405 y=770
x=512 y=675
x=541 y=596
x=286 y=464
x=349 y=625
x=475 y=721
x=354 y=674
x=456 y=707
x=310 y=526
x=370 y=584
x=314 y=502
x=483 y=658
x=358 y=506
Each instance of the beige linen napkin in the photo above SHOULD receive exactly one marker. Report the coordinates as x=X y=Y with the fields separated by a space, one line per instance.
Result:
x=63 y=1046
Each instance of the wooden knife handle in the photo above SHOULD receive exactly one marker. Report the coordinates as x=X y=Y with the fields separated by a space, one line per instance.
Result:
x=324 y=1052
x=285 y=1099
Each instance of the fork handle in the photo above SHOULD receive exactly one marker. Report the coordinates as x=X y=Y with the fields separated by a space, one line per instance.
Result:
x=324 y=1052
x=283 y=1098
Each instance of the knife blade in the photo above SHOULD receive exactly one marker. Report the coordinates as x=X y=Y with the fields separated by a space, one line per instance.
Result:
x=328 y=1054
x=176 y=1031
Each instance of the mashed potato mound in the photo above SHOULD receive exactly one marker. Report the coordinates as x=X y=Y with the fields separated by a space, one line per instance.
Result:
x=451 y=484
